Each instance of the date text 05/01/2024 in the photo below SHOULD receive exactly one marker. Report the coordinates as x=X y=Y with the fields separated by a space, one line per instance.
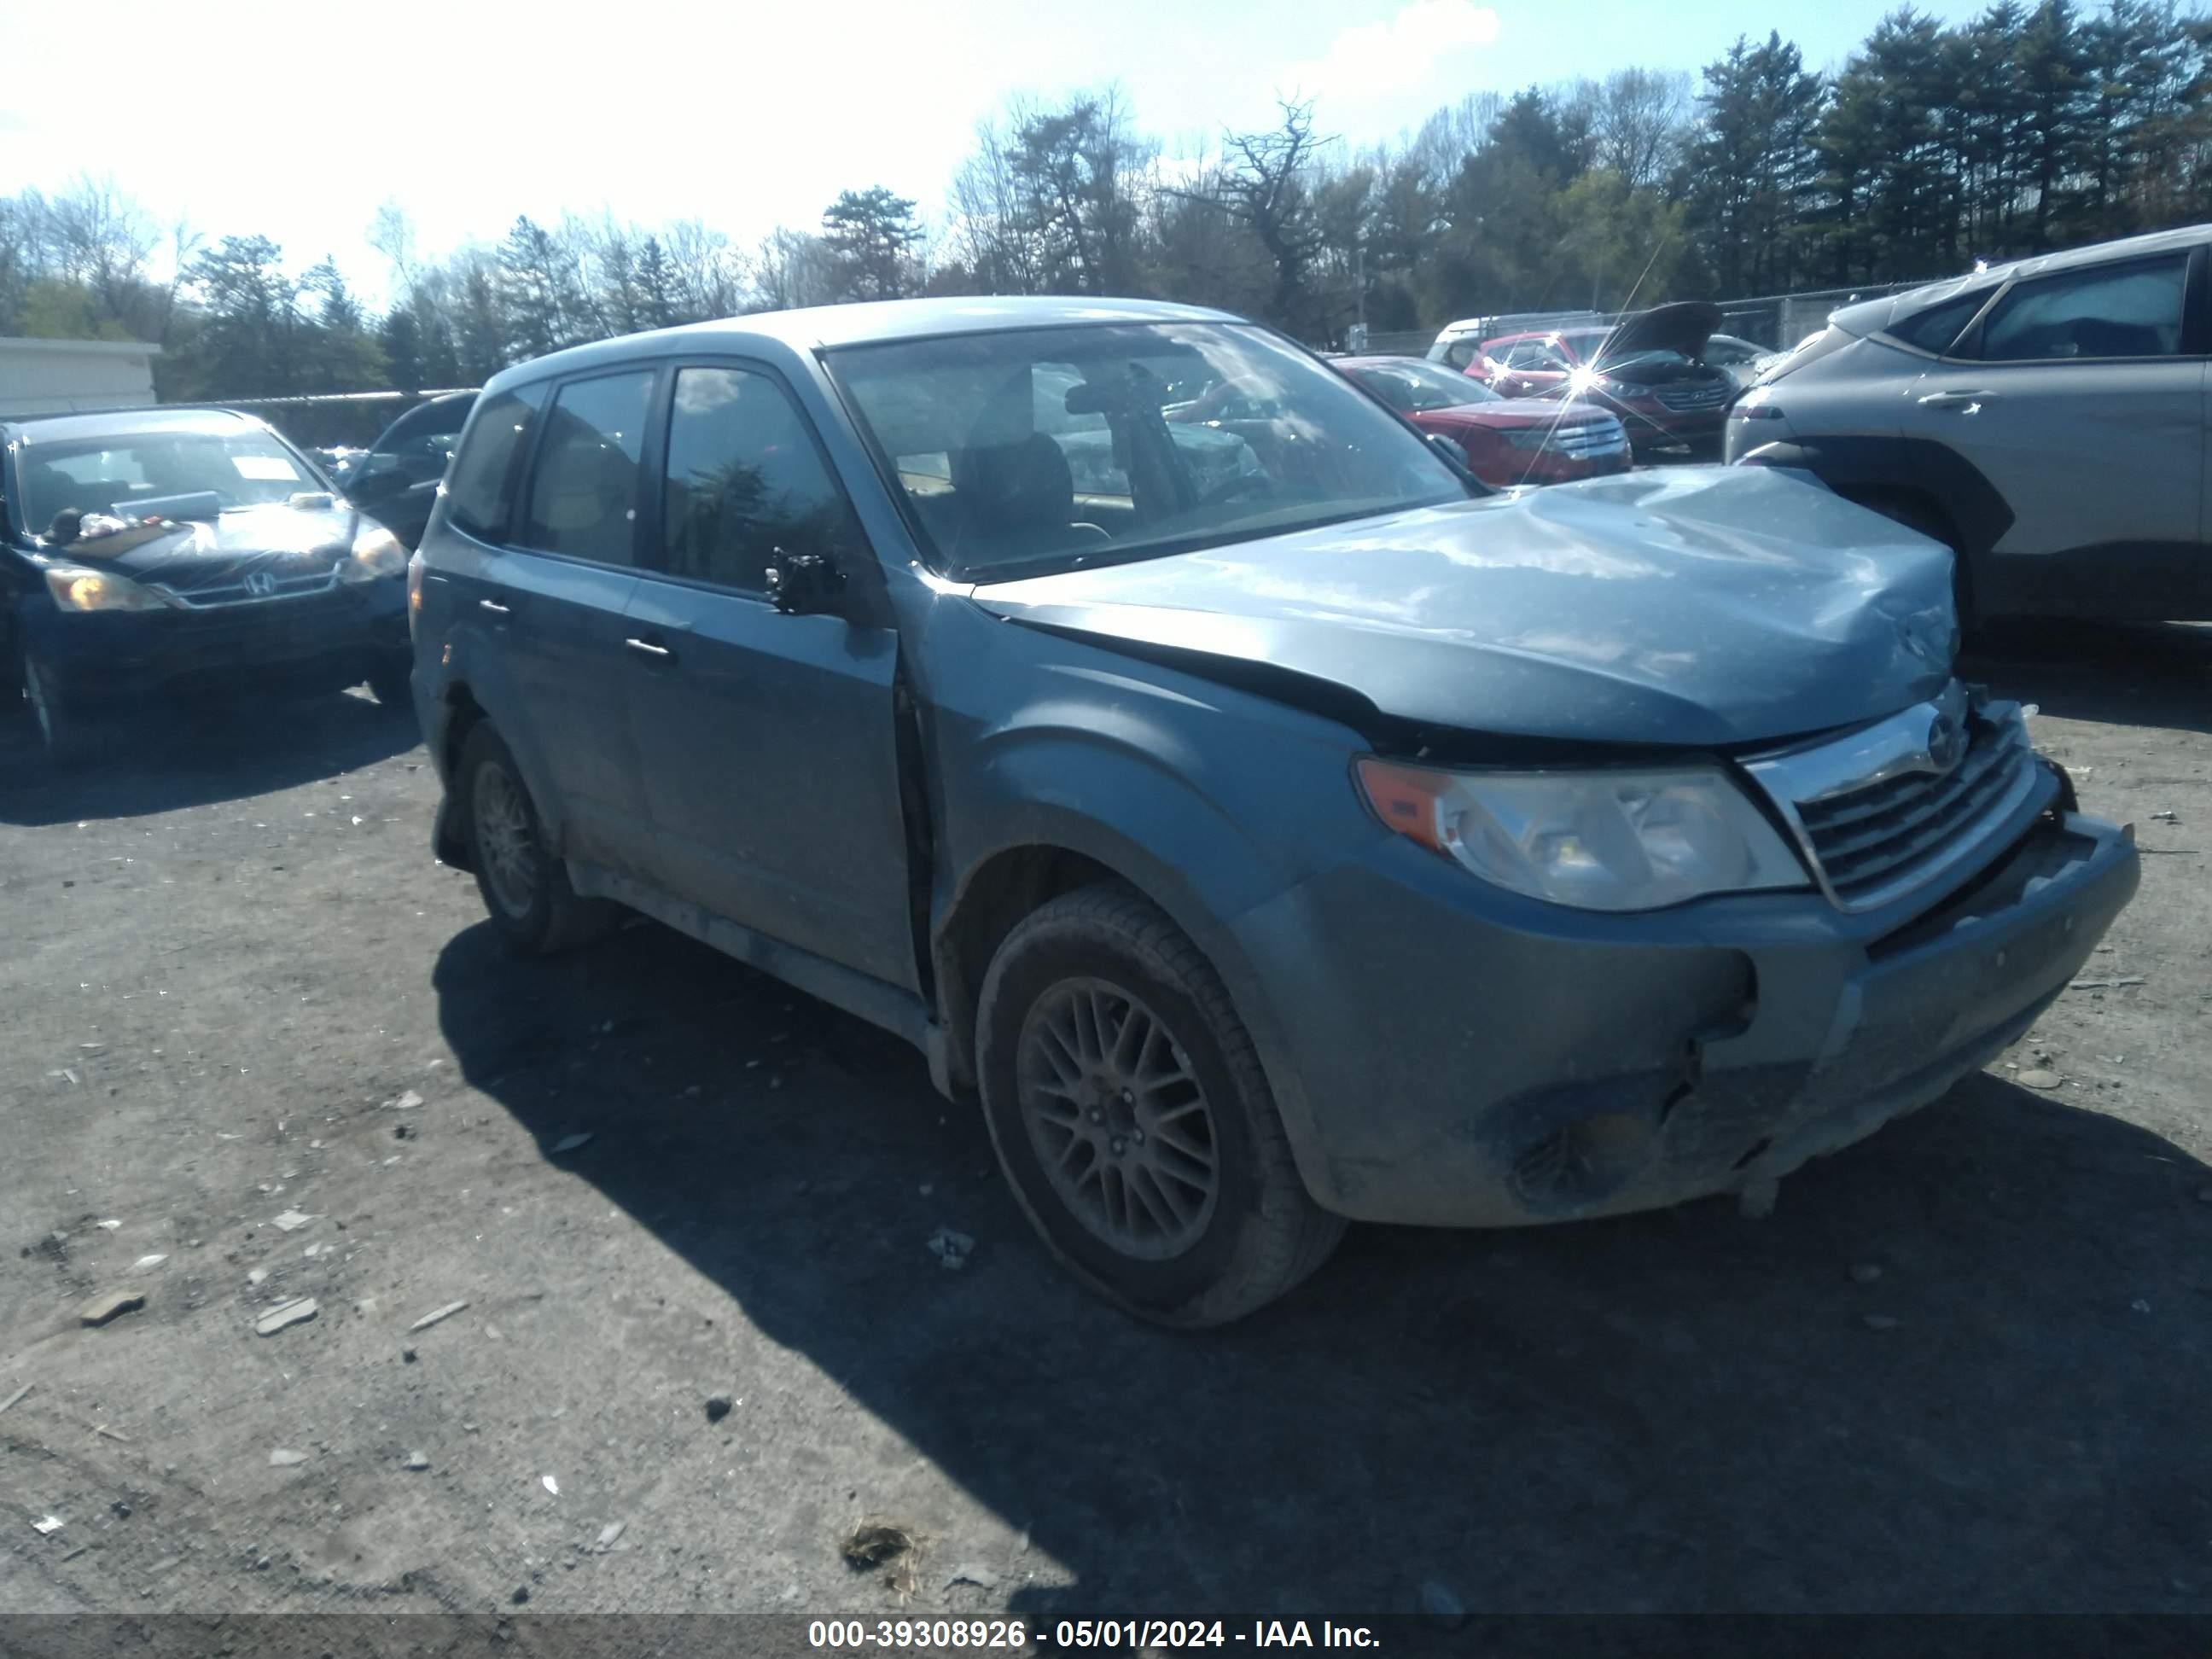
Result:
x=986 y=1634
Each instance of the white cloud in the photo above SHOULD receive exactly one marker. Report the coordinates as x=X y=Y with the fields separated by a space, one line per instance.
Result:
x=1401 y=51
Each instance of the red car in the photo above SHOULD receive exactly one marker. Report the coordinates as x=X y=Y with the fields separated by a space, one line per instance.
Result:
x=1647 y=369
x=1506 y=443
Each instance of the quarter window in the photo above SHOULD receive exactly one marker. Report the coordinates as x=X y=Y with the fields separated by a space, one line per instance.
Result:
x=2123 y=311
x=745 y=483
x=478 y=493
x=1936 y=328
x=583 y=493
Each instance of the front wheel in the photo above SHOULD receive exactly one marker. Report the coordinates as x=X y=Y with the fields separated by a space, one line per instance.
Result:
x=1132 y=1117
x=525 y=885
x=388 y=681
x=59 y=730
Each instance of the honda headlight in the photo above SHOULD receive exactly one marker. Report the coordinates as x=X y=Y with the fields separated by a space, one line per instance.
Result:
x=1596 y=840
x=376 y=553
x=75 y=587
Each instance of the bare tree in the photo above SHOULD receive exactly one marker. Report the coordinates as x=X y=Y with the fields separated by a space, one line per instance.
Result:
x=1639 y=119
x=104 y=238
x=1265 y=185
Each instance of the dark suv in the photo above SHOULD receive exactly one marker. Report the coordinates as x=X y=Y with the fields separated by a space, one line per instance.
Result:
x=159 y=552
x=1270 y=830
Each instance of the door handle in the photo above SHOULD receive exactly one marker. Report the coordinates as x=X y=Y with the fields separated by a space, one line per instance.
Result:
x=1968 y=401
x=496 y=608
x=658 y=653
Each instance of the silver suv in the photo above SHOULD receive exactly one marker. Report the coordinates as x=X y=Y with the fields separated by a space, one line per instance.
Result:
x=2046 y=420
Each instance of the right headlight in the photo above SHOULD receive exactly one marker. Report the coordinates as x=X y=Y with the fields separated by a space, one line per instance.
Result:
x=1593 y=838
x=74 y=587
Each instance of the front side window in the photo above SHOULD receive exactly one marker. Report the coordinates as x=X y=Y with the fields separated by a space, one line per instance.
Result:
x=479 y=494
x=2125 y=311
x=583 y=489
x=745 y=484
x=1155 y=438
x=125 y=472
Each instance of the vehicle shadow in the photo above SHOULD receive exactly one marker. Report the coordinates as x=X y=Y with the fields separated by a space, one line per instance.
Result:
x=2124 y=673
x=1687 y=1411
x=170 y=759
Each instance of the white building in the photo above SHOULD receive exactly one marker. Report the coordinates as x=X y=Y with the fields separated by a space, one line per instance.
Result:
x=59 y=377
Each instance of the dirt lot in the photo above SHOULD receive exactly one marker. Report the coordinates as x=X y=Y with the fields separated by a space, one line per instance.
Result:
x=228 y=953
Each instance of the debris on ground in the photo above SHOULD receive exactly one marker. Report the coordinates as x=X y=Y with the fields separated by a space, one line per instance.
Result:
x=16 y=1398
x=417 y=1462
x=2166 y=816
x=549 y=1484
x=1865 y=1272
x=255 y=1275
x=610 y=1533
x=874 y=1542
x=297 y=1312
x=2038 y=1077
x=109 y=1226
x=406 y=1102
x=49 y=1526
x=972 y=1572
x=2139 y=1305
x=1439 y=1602
x=950 y=1247
x=284 y=1458
x=291 y=1221
x=437 y=1314
x=109 y=1304
x=569 y=1142
x=145 y=1263
x=718 y=1407
x=407 y=1356
x=2106 y=984
x=1878 y=1321
x=106 y=1433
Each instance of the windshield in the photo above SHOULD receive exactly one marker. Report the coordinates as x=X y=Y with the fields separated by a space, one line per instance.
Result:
x=247 y=467
x=1050 y=448
x=1587 y=343
x=1413 y=387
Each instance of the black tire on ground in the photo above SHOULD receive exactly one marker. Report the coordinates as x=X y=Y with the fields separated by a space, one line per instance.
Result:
x=525 y=888
x=388 y=681
x=55 y=723
x=1207 y=1219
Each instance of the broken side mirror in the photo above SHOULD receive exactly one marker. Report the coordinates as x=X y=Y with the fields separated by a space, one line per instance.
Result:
x=804 y=584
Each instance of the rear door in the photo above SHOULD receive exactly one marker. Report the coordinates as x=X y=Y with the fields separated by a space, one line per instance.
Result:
x=556 y=601
x=767 y=742
x=2081 y=396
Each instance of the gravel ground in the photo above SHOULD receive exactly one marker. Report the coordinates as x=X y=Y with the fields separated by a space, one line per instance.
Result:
x=1960 y=1367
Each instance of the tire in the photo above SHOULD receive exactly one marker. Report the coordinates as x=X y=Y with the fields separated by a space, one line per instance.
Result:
x=54 y=722
x=388 y=681
x=1146 y=1228
x=524 y=886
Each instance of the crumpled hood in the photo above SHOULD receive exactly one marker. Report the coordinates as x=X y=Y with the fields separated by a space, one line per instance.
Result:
x=1697 y=606
x=291 y=540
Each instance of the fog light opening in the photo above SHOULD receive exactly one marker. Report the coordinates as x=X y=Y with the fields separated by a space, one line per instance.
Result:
x=1582 y=1162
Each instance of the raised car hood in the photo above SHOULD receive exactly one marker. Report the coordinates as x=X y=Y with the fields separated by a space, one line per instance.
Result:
x=1684 y=326
x=1705 y=607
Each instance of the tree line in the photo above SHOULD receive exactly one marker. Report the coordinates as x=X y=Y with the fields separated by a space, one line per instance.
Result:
x=2027 y=128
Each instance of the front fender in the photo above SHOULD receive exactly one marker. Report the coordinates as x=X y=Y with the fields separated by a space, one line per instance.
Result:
x=476 y=669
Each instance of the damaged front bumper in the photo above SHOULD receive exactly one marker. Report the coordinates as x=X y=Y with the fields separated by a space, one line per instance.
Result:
x=1445 y=1066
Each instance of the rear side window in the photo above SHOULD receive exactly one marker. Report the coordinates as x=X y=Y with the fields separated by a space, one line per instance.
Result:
x=2122 y=311
x=583 y=490
x=745 y=483
x=479 y=494
x=1933 y=331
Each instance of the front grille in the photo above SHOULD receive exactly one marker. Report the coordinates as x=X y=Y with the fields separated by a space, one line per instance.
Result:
x=1877 y=816
x=237 y=589
x=1593 y=439
x=1696 y=394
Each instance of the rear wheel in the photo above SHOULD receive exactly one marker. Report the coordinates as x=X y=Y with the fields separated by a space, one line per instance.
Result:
x=525 y=885
x=1132 y=1119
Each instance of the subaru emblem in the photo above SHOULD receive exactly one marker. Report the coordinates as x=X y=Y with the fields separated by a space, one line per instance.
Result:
x=260 y=583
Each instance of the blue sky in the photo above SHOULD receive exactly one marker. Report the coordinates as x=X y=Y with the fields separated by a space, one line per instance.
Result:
x=297 y=120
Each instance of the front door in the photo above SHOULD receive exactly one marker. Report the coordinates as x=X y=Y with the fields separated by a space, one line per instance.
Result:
x=768 y=742
x=2081 y=396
